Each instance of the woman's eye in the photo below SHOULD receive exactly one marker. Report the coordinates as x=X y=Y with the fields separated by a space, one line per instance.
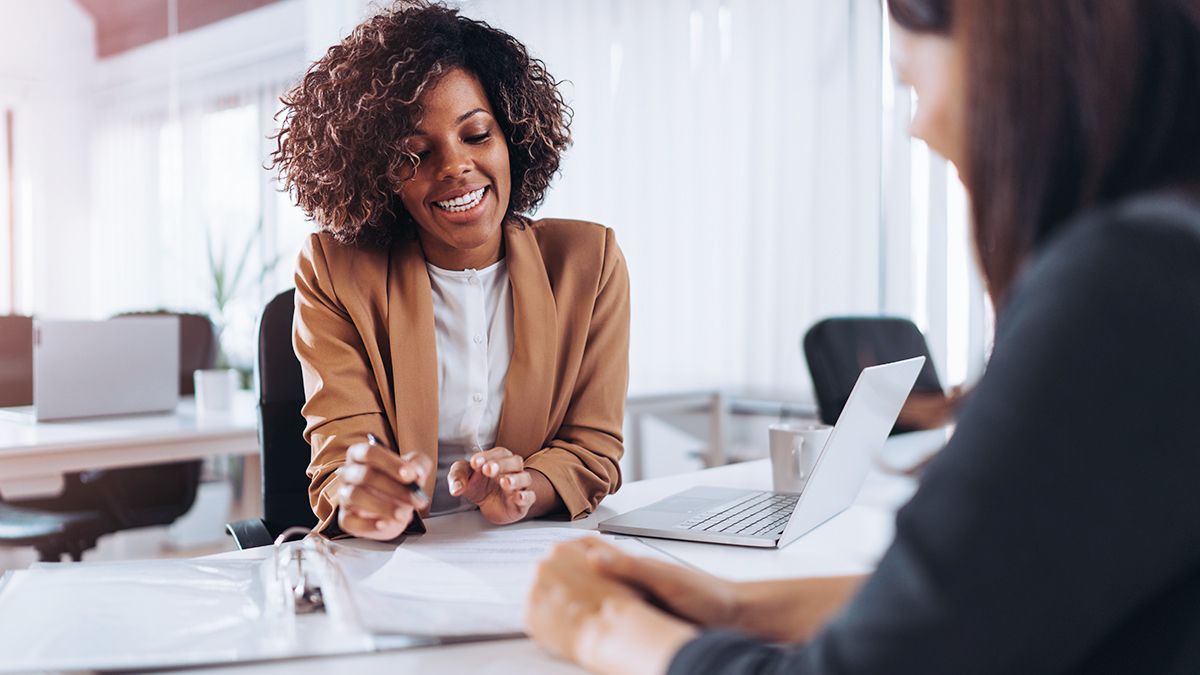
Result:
x=423 y=155
x=478 y=138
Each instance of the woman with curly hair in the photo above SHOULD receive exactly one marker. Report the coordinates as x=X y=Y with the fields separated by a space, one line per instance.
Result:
x=447 y=341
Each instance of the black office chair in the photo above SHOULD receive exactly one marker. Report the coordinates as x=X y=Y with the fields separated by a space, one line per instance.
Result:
x=285 y=453
x=94 y=503
x=838 y=348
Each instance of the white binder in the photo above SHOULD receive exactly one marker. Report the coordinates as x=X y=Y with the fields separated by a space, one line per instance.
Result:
x=177 y=613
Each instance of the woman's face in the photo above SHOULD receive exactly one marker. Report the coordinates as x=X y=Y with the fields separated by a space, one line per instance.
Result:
x=932 y=65
x=459 y=191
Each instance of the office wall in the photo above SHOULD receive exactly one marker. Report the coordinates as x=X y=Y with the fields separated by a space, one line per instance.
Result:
x=46 y=63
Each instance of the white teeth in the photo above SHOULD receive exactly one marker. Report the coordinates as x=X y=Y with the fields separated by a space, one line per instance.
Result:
x=462 y=203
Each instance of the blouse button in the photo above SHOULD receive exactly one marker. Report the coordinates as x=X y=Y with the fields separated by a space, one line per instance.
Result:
x=473 y=280
x=478 y=398
x=478 y=338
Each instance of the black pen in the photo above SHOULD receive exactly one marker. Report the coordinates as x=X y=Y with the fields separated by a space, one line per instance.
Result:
x=412 y=487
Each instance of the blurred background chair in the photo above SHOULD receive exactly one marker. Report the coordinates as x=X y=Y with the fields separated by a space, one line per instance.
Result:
x=94 y=503
x=838 y=348
x=16 y=360
x=285 y=453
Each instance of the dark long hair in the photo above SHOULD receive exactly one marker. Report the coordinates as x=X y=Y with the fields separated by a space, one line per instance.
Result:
x=1070 y=104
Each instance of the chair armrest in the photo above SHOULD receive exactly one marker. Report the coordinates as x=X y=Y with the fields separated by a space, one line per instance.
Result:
x=250 y=533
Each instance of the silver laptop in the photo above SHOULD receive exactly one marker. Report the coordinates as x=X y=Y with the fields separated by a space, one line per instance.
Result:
x=122 y=366
x=770 y=519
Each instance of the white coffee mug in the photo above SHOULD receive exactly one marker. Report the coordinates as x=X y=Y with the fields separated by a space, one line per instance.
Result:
x=795 y=448
x=214 y=389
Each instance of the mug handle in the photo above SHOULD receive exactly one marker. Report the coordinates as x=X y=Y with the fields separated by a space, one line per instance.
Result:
x=796 y=454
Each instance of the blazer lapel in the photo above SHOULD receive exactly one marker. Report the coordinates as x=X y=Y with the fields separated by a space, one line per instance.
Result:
x=529 y=387
x=414 y=354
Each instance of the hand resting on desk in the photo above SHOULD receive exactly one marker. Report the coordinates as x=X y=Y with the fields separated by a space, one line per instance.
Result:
x=376 y=501
x=616 y=613
x=496 y=480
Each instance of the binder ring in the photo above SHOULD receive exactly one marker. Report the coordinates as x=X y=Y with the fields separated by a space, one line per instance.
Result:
x=301 y=589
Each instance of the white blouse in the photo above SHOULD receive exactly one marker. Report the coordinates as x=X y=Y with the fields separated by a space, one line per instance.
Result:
x=472 y=313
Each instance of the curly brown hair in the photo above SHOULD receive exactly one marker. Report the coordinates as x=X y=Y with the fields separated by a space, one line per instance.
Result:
x=340 y=151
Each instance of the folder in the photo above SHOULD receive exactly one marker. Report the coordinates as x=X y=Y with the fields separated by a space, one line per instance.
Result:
x=216 y=611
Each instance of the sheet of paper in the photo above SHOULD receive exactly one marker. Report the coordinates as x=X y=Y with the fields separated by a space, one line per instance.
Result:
x=495 y=566
x=457 y=585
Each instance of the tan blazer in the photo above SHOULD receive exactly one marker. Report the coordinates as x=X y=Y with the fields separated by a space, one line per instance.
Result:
x=364 y=334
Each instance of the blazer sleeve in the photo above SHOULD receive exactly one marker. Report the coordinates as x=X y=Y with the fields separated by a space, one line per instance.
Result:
x=342 y=400
x=582 y=461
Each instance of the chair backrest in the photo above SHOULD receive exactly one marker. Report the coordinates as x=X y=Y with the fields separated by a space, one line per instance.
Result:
x=285 y=453
x=16 y=360
x=838 y=348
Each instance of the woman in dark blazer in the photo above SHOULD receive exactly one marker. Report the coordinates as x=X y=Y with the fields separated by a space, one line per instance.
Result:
x=485 y=354
x=1059 y=531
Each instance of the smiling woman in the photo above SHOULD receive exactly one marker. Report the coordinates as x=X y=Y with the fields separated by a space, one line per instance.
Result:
x=429 y=311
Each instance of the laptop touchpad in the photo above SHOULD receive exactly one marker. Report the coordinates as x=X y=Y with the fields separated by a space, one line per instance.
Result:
x=685 y=505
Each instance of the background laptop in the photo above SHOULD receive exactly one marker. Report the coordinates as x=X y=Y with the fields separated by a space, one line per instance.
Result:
x=770 y=519
x=121 y=366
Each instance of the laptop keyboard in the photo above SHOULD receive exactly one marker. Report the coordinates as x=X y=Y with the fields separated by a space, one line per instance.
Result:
x=761 y=513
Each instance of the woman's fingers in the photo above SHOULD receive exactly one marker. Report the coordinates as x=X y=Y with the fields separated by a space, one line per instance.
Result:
x=460 y=473
x=515 y=481
x=360 y=525
x=523 y=499
x=484 y=461
x=364 y=475
x=408 y=468
x=494 y=468
x=415 y=467
x=393 y=476
x=369 y=502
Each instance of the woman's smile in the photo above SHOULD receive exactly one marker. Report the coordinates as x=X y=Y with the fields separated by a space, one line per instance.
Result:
x=464 y=205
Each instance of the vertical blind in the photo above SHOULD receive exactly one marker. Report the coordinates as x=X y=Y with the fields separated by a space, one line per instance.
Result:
x=735 y=148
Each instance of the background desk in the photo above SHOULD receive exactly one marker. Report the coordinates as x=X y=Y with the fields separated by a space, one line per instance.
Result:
x=34 y=456
x=850 y=543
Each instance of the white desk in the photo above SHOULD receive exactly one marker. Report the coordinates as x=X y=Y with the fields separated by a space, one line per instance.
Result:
x=34 y=456
x=850 y=543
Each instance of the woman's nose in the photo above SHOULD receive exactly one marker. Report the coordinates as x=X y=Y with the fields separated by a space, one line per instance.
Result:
x=455 y=162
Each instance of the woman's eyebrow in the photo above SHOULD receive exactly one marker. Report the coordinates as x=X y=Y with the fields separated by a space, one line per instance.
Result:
x=461 y=118
x=467 y=114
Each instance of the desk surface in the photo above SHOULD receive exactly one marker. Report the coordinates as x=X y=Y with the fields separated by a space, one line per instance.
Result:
x=34 y=455
x=849 y=543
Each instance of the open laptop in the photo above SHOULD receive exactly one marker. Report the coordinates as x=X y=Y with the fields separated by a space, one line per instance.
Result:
x=770 y=519
x=122 y=366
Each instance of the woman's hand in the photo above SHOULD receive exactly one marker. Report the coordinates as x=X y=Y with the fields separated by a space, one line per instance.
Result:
x=605 y=626
x=689 y=594
x=496 y=481
x=374 y=500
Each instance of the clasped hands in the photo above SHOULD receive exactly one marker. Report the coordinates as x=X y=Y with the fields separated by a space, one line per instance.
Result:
x=375 y=500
